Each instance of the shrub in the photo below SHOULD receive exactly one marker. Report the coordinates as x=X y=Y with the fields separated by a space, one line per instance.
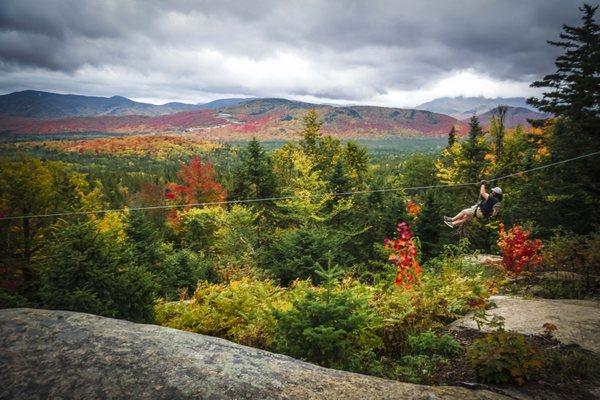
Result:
x=86 y=270
x=295 y=254
x=240 y=311
x=10 y=299
x=429 y=343
x=229 y=235
x=504 y=356
x=444 y=293
x=404 y=256
x=420 y=368
x=518 y=251
x=428 y=352
x=181 y=270
x=329 y=326
x=575 y=253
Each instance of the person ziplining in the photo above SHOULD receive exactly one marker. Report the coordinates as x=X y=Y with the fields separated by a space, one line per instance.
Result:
x=488 y=207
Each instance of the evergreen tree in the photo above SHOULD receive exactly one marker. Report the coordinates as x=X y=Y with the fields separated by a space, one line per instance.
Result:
x=254 y=177
x=329 y=327
x=475 y=131
x=296 y=253
x=357 y=163
x=473 y=151
x=142 y=238
x=338 y=181
x=427 y=226
x=575 y=86
x=574 y=97
x=311 y=134
x=89 y=271
x=452 y=136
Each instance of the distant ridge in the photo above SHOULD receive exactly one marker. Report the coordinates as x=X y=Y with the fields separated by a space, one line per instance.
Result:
x=46 y=105
x=264 y=118
x=220 y=103
x=514 y=116
x=462 y=107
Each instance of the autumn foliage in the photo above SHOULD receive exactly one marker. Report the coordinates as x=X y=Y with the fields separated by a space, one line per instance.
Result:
x=413 y=208
x=404 y=256
x=198 y=184
x=519 y=252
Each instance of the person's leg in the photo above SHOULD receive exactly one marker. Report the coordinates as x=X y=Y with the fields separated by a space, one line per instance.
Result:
x=461 y=220
x=460 y=215
x=464 y=214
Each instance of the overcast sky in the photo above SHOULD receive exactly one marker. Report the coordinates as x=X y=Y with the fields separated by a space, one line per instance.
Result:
x=392 y=53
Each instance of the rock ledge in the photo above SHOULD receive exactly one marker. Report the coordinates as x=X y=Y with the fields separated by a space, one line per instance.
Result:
x=60 y=354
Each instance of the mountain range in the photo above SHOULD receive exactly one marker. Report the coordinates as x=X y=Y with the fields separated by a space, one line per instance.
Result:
x=43 y=112
x=514 y=116
x=45 y=105
x=464 y=107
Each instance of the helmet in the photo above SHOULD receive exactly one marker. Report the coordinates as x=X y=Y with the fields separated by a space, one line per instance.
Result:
x=497 y=190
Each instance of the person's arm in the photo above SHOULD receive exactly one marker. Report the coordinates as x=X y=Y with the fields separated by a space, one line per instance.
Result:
x=482 y=191
x=495 y=210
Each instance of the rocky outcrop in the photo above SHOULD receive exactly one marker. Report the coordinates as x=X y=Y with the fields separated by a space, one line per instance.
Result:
x=60 y=354
x=577 y=321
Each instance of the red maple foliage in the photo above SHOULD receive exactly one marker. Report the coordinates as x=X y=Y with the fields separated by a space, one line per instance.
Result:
x=519 y=252
x=198 y=184
x=404 y=256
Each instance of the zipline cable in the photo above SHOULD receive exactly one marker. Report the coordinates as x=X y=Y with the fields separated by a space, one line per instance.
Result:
x=245 y=201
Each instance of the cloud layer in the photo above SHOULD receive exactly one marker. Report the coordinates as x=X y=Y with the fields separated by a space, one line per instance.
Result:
x=396 y=53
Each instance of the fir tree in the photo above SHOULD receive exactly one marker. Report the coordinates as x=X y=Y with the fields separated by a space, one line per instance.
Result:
x=329 y=327
x=89 y=271
x=575 y=86
x=574 y=97
x=338 y=181
x=427 y=226
x=474 y=150
x=452 y=136
x=475 y=130
x=311 y=134
x=254 y=177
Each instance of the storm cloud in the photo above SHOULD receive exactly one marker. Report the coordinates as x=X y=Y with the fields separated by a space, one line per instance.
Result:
x=341 y=51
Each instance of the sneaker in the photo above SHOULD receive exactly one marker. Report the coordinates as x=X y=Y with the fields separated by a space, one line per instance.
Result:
x=450 y=224
x=447 y=219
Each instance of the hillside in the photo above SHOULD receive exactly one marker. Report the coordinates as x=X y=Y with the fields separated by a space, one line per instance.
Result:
x=279 y=118
x=514 y=116
x=46 y=105
x=463 y=107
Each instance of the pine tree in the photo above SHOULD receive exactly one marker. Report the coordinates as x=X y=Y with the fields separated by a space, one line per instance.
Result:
x=475 y=130
x=142 y=239
x=329 y=327
x=473 y=151
x=254 y=177
x=89 y=271
x=427 y=226
x=452 y=136
x=574 y=97
x=575 y=86
x=311 y=134
x=338 y=181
